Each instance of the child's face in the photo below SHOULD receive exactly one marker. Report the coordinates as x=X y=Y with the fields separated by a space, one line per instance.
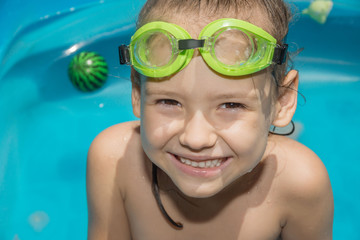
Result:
x=203 y=129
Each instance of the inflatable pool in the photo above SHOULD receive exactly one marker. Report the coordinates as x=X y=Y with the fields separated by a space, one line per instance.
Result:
x=47 y=124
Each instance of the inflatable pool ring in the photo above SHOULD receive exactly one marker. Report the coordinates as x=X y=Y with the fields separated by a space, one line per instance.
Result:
x=88 y=71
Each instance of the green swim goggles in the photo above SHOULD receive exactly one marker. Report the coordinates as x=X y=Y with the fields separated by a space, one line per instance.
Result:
x=229 y=46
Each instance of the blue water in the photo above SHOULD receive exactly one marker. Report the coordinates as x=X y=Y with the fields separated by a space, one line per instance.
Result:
x=47 y=125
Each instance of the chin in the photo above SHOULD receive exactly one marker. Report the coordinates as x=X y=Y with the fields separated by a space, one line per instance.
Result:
x=202 y=190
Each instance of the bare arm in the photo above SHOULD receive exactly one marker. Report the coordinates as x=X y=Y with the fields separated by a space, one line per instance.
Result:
x=107 y=216
x=311 y=202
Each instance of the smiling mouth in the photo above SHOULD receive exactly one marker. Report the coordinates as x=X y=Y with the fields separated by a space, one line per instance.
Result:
x=202 y=164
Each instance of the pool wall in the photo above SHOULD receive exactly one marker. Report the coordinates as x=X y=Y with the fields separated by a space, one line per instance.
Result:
x=46 y=125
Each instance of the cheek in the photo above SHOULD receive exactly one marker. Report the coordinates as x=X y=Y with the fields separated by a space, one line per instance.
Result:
x=156 y=130
x=247 y=139
x=269 y=106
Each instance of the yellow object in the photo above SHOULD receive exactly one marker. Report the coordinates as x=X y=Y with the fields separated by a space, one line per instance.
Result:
x=319 y=10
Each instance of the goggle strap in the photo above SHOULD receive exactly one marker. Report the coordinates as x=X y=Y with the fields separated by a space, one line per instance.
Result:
x=124 y=55
x=185 y=44
x=280 y=54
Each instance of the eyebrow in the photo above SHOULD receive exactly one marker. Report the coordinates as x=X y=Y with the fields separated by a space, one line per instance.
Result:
x=227 y=95
x=238 y=94
x=160 y=92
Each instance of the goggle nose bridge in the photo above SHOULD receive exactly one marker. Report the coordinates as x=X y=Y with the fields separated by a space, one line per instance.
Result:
x=184 y=44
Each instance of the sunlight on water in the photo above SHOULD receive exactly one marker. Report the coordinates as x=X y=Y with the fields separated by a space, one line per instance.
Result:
x=38 y=220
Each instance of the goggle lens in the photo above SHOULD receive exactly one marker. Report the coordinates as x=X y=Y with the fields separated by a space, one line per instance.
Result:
x=155 y=50
x=232 y=47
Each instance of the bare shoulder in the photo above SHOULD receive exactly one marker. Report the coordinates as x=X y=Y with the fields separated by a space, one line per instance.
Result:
x=107 y=151
x=306 y=191
x=303 y=171
x=114 y=140
x=106 y=181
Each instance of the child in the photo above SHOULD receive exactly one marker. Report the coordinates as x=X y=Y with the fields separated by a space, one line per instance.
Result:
x=208 y=83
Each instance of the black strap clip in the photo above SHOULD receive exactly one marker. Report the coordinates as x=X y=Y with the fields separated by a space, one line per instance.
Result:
x=280 y=53
x=124 y=55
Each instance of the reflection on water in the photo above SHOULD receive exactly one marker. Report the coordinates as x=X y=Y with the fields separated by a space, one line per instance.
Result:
x=38 y=220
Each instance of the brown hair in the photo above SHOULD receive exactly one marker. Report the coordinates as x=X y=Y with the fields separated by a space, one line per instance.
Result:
x=277 y=12
x=276 y=15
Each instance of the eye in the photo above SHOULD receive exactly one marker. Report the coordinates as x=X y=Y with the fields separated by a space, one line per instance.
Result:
x=168 y=102
x=232 y=106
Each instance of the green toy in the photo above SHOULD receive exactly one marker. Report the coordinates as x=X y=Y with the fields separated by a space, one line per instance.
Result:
x=88 y=71
x=319 y=10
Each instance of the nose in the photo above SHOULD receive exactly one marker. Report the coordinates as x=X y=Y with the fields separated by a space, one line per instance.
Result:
x=198 y=133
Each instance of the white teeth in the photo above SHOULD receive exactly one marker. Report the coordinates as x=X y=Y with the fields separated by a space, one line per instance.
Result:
x=202 y=164
x=208 y=164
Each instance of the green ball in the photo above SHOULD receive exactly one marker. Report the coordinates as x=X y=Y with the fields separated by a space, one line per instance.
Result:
x=88 y=71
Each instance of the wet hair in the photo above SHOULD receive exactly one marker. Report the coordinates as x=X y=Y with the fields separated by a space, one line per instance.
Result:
x=155 y=189
x=276 y=12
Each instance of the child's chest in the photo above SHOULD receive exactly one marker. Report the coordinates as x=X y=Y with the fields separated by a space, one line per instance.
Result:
x=252 y=216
